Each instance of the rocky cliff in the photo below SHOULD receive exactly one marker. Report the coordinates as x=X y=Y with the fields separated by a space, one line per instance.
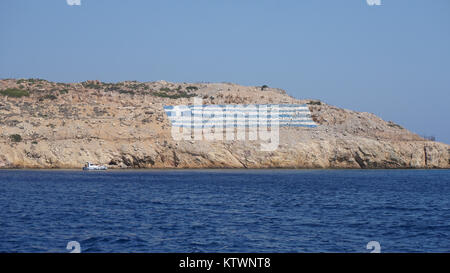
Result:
x=123 y=125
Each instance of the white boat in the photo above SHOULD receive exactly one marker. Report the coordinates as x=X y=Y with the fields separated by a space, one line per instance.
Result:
x=92 y=167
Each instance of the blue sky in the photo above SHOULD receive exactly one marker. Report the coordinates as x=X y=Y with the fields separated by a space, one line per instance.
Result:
x=392 y=60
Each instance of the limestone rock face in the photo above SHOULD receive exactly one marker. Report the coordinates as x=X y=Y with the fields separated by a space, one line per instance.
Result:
x=124 y=125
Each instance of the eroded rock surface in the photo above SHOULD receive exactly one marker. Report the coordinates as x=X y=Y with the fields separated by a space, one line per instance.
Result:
x=123 y=125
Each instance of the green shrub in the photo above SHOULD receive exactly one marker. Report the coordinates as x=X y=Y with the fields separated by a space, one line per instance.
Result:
x=51 y=97
x=191 y=88
x=394 y=125
x=173 y=96
x=112 y=88
x=264 y=87
x=126 y=92
x=165 y=89
x=48 y=97
x=33 y=81
x=92 y=85
x=15 y=93
x=15 y=138
x=317 y=102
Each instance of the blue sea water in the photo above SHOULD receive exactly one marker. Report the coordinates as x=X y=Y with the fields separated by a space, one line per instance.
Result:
x=225 y=210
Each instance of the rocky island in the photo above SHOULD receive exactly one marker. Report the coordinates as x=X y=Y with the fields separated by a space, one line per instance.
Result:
x=123 y=125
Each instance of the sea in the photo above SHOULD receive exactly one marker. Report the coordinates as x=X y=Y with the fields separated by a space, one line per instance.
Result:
x=225 y=211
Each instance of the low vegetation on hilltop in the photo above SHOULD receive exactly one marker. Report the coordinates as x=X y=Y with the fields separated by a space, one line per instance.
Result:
x=15 y=92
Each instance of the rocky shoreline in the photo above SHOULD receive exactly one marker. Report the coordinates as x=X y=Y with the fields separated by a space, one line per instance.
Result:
x=47 y=125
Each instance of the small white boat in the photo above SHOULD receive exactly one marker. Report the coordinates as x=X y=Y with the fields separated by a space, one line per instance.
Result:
x=92 y=167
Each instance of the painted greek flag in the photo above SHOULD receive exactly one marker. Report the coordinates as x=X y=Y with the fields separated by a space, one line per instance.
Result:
x=249 y=115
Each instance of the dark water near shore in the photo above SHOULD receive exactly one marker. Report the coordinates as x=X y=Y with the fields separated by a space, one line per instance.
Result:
x=225 y=211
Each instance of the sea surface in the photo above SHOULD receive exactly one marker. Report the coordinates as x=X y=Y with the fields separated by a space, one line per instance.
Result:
x=225 y=210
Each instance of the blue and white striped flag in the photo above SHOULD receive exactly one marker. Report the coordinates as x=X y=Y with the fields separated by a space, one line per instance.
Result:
x=248 y=115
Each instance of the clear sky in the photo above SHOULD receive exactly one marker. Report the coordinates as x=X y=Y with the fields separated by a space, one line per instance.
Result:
x=392 y=60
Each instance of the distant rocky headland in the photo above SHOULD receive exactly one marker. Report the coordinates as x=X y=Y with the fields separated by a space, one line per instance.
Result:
x=123 y=125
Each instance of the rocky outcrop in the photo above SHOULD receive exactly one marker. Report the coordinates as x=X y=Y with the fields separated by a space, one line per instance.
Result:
x=123 y=125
